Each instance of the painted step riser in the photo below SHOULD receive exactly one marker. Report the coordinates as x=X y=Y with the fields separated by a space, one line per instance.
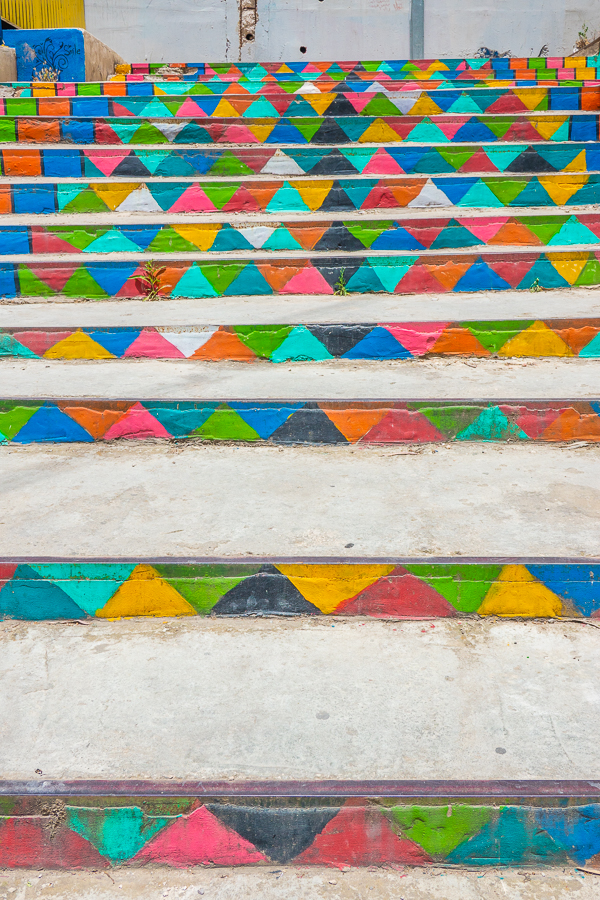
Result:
x=358 y=274
x=101 y=834
x=284 y=343
x=339 y=130
x=342 y=103
x=514 y=162
x=39 y=590
x=349 y=236
x=337 y=422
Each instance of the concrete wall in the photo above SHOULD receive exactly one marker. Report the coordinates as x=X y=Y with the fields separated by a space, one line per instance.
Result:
x=198 y=30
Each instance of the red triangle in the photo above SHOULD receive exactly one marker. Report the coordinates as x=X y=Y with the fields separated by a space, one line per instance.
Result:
x=43 y=241
x=513 y=268
x=55 y=275
x=27 y=842
x=361 y=836
x=199 y=839
x=136 y=424
x=120 y=110
x=7 y=570
x=380 y=197
x=479 y=162
x=40 y=341
x=257 y=158
x=531 y=420
x=398 y=595
x=419 y=280
x=104 y=134
x=281 y=103
x=423 y=231
x=242 y=201
x=522 y=131
x=403 y=426
x=507 y=103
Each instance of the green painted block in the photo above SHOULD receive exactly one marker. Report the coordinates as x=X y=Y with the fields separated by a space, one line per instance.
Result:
x=439 y=829
x=86 y=201
x=204 y=593
x=492 y=425
x=589 y=275
x=81 y=284
x=117 y=833
x=169 y=241
x=449 y=419
x=32 y=286
x=79 y=236
x=229 y=164
x=147 y=133
x=493 y=335
x=456 y=157
x=381 y=106
x=263 y=339
x=463 y=586
x=219 y=194
x=225 y=425
x=21 y=106
x=368 y=232
x=545 y=228
x=8 y=130
x=505 y=189
x=498 y=126
x=13 y=415
x=221 y=275
x=308 y=127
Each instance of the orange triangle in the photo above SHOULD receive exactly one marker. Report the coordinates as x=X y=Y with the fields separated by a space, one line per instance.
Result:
x=572 y=425
x=354 y=423
x=308 y=237
x=224 y=345
x=405 y=191
x=263 y=193
x=514 y=232
x=459 y=340
x=576 y=336
x=449 y=273
x=279 y=275
x=94 y=416
x=172 y=276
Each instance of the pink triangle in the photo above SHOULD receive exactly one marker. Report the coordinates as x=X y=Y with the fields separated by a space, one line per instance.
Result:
x=136 y=424
x=417 y=337
x=55 y=275
x=108 y=160
x=462 y=66
x=199 y=839
x=485 y=229
x=450 y=127
x=193 y=199
x=398 y=595
x=381 y=163
x=190 y=108
x=361 y=836
x=403 y=426
x=238 y=134
x=152 y=344
x=308 y=281
x=359 y=101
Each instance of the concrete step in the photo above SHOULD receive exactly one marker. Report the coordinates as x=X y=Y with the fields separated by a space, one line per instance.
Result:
x=339 y=130
x=317 y=342
x=136 y=499
x=508 y=231
x=20 y=160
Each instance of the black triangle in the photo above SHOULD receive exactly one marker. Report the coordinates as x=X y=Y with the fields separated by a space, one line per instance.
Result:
x=308 y=425
x=280 y=832
x=338 y=339
x=266 y=593
x=336 y=200
x=337 y=237
x=530 y=161
x=131 y=165
x=334 y=163
x=341 y=106
x=332 y=270
x=330 y=133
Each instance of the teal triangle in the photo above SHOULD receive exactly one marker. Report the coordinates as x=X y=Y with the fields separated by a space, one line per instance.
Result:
x=491 y=425
x=427 y=132
x=502 y=156
x=300 y=344
x=365 y=281
x=194 y=284
x=89 y=586
x=28 y=596
x=390 y=275
x=118 y=833
x=112 y=242
x=249 y=282
x=152 y=158
x=513 y=838
x=562 y=133
x=287 y=199
x=573 y=232
x=358 y=191
x=125 y=131
x=480 y=195
x=591 y=350
x=261 y=107
x=533 y=195
x=156 y=108
x=545 y=273
x=464 y=104
x=281 y=239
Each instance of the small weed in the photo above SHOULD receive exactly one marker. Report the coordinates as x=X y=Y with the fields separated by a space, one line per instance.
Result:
x=149 y=284
x=341 y=286
x=583 y=37
x=536 y=286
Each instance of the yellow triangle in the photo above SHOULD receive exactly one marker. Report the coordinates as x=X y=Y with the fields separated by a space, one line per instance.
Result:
x=517 y=593
x=425 y=107
x=547 y=125
x=225 y=109
x=379 y=132
x=145 y=593
x=261 y=132
x=202 y=236
x=284 y=68
x=78 y=346
x=327 y=586
x=531 y=97
x=537 y=340
x=579 y=164
x=313 y=193
x=561 y=188
x=113 y=194
x=319 y=102
x=438 y=66
x=569 y=265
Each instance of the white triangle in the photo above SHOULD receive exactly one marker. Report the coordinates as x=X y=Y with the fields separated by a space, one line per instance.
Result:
x=404 y=102
x=308 y=88
x=140 y=200
x=257 y=235
x=170 y=129
x=187 y=342
x=376 y=86
x=280 y=164
x=430 y=196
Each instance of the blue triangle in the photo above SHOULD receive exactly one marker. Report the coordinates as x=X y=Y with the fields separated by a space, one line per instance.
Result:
x=474 y=131
x=142 y=235
x=378 y=344
x=578 y=583
x=265 y=418
x=115 y=341
x=50 y=425
x=111 y=276
x=455 y=188
x=285 y=133
x=28 y=596
x=397 y=239
x=481 y=278
x=576 y=829
x=407 y=157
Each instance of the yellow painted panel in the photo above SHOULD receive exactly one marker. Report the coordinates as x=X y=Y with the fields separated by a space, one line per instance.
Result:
x=537 y=340
x=44 y=13
x=145 y=594
x=78 y=346
x=517 y=592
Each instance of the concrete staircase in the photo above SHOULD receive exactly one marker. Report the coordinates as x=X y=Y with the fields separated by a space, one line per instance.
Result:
x=314 y=598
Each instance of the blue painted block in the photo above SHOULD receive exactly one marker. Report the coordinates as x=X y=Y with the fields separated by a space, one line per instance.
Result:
x=38 y=198
x=60 y=50
x=90 y=106
x=584 y=128
x=14 y=240
x=8 y=286
x=62 y=163
x=78 y=130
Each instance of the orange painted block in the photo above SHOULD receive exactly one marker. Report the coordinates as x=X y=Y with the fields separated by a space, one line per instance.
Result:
x=354 y=423
x=515 y=233
x=94 y=416
x=575 y=335
x=35 y=131
x=224 y=345
x=572 y=425
x=5 y=199
x=22 y=162
x=54 y=106
x=459 y=341
x=115 y=88
x=278 y=275
x=590 y=98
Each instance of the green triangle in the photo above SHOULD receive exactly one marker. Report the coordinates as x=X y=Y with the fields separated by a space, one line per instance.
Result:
x=204 y=593
x=590 y=273
x=32 y=286
x=221 y=275
x=367 y=232
x=81 y=284
x=86 y=201
x=447 y=418
x=225 y=425
x=499 y=127
x=494 y=335
x=439 y=829
x=80 y=236
x=309 y=127
x=148 y=133
x=380 y=106
x=506 y=189
x=263 y=339
x=456 y=157
x=229 y=164
x=491 y=425
x=219 y=194
x=544 y=227
x=463 y=586
x=13 y=415
x=169 y=241
x=574 y=232
x=301 y=344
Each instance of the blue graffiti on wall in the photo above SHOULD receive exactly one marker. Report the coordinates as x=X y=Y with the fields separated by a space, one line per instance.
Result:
x=48 y=54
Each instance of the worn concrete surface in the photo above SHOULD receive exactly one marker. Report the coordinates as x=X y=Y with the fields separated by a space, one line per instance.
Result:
x=468 y=379
x=302 y=884
x=8 y=63
x=206 y=500
x=294 y=699
x=303 y=308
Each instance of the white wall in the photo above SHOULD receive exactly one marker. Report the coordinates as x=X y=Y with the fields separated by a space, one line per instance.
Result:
x=208 y=30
